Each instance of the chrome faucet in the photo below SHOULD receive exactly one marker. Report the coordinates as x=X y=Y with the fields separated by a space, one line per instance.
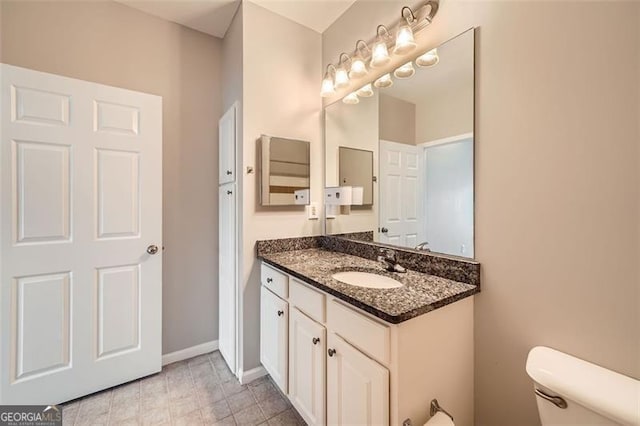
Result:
x=423 y=246
x=388 y=260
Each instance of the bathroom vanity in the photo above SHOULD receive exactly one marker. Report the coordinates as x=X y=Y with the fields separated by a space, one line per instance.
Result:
x=346 y=354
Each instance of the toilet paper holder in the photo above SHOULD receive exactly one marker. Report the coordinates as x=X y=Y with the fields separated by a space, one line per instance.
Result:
x=435 y=407
x=433 y=410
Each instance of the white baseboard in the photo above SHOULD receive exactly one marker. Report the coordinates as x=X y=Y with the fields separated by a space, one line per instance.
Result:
x=187 y=353
x=251 y=375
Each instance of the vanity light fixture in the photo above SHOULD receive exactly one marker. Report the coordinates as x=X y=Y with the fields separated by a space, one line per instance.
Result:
x=428 y=59
x=351 y=99
x=405 y=71
x=358 y=67
x=380 y=53
x=377 y=56
x=405 y=41
x=384 y=81
x=342 y=77
x=365 y=91
x=327 y=88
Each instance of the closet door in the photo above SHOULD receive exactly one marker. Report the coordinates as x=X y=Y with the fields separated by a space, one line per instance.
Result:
x=227 y=142
x=227 y=273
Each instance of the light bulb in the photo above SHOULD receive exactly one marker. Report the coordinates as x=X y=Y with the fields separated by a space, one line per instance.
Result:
x=428 y=59
x=358 y=68
x=342 y=78
x=405 y=71
x=365 y=91
x=327 y=87
x=405 y=42
x=351 y=99
x=380 y=54
x=384 y=81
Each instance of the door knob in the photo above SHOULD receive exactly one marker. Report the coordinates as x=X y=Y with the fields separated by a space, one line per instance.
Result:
x=315 y=340
x=269 y=280
x=331 y=352
x=280 y=313
x=152 y=249
x=229 y=172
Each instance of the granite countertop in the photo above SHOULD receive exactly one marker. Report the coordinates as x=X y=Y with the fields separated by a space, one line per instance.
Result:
x=421 y=293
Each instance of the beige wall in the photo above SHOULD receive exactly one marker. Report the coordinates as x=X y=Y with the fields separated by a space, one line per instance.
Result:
x=353 y=126
x=280 y=98
x=445 y=114
x=557 y=183
x=109 y=43
x=397 y=120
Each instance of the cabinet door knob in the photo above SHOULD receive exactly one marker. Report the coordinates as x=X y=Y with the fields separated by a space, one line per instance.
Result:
x=229 y=172
x=331 y=352
x=269 y=280
x=280 y=313
x=315 y=340
x=229 y=192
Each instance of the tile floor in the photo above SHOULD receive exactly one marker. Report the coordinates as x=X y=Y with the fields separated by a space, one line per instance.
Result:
x=198 y=391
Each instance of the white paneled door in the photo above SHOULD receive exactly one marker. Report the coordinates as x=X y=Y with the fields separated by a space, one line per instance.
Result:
x=80 y=235
x=400 y=206
x=228 y=295
x=227 y=273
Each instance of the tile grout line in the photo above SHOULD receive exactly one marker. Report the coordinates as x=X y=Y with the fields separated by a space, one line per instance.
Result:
x=195 y=391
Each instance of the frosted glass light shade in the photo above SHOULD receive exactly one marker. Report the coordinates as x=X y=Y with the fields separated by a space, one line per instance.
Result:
x=365 y=91
x=405 y=42
x=358 y=68
x=379 y=55
x=342 y=78
x=351 y=99
x=405 y=71
x=384 y=81
x=428 y=59
x=327 y=88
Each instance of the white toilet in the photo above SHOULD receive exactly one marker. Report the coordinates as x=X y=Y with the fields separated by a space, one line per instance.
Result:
x=570 y=391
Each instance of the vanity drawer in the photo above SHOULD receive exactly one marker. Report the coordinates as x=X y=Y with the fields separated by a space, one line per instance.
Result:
x=274 y=280
x=367 y=335
x=308 y=300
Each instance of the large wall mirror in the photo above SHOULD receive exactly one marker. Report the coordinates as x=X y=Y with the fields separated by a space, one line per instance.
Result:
x=418 y=133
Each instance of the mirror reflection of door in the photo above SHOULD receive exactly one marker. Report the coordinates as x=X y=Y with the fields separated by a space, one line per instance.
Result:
x=420 y=133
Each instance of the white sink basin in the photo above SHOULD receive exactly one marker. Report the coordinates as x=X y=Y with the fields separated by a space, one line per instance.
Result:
x=366 y=279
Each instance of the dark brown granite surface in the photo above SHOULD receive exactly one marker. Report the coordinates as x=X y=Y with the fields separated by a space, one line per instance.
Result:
x=360 y=236
x=451 y=267
x=315 y=259
x=286 y=244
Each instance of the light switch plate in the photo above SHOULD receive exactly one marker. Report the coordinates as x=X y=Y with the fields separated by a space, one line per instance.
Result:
x=312 y=211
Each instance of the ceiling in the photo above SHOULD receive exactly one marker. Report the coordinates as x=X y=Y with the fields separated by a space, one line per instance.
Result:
x=214 y=16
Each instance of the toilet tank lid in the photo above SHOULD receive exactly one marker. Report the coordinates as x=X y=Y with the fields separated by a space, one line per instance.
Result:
x=606 y=392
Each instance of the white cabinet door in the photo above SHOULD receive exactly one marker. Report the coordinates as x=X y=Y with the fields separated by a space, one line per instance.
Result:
x=274 y=318
x=227 y=143
x=357 y=386
x=307 y=367
x=227 y=298
x=80 y=236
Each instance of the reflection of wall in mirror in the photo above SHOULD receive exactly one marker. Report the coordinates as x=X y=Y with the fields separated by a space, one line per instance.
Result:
x=285 y=168
x=397 y=120
x=353 y=126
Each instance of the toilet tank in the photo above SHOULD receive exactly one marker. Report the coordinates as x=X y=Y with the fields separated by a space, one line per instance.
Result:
x=593 y=395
